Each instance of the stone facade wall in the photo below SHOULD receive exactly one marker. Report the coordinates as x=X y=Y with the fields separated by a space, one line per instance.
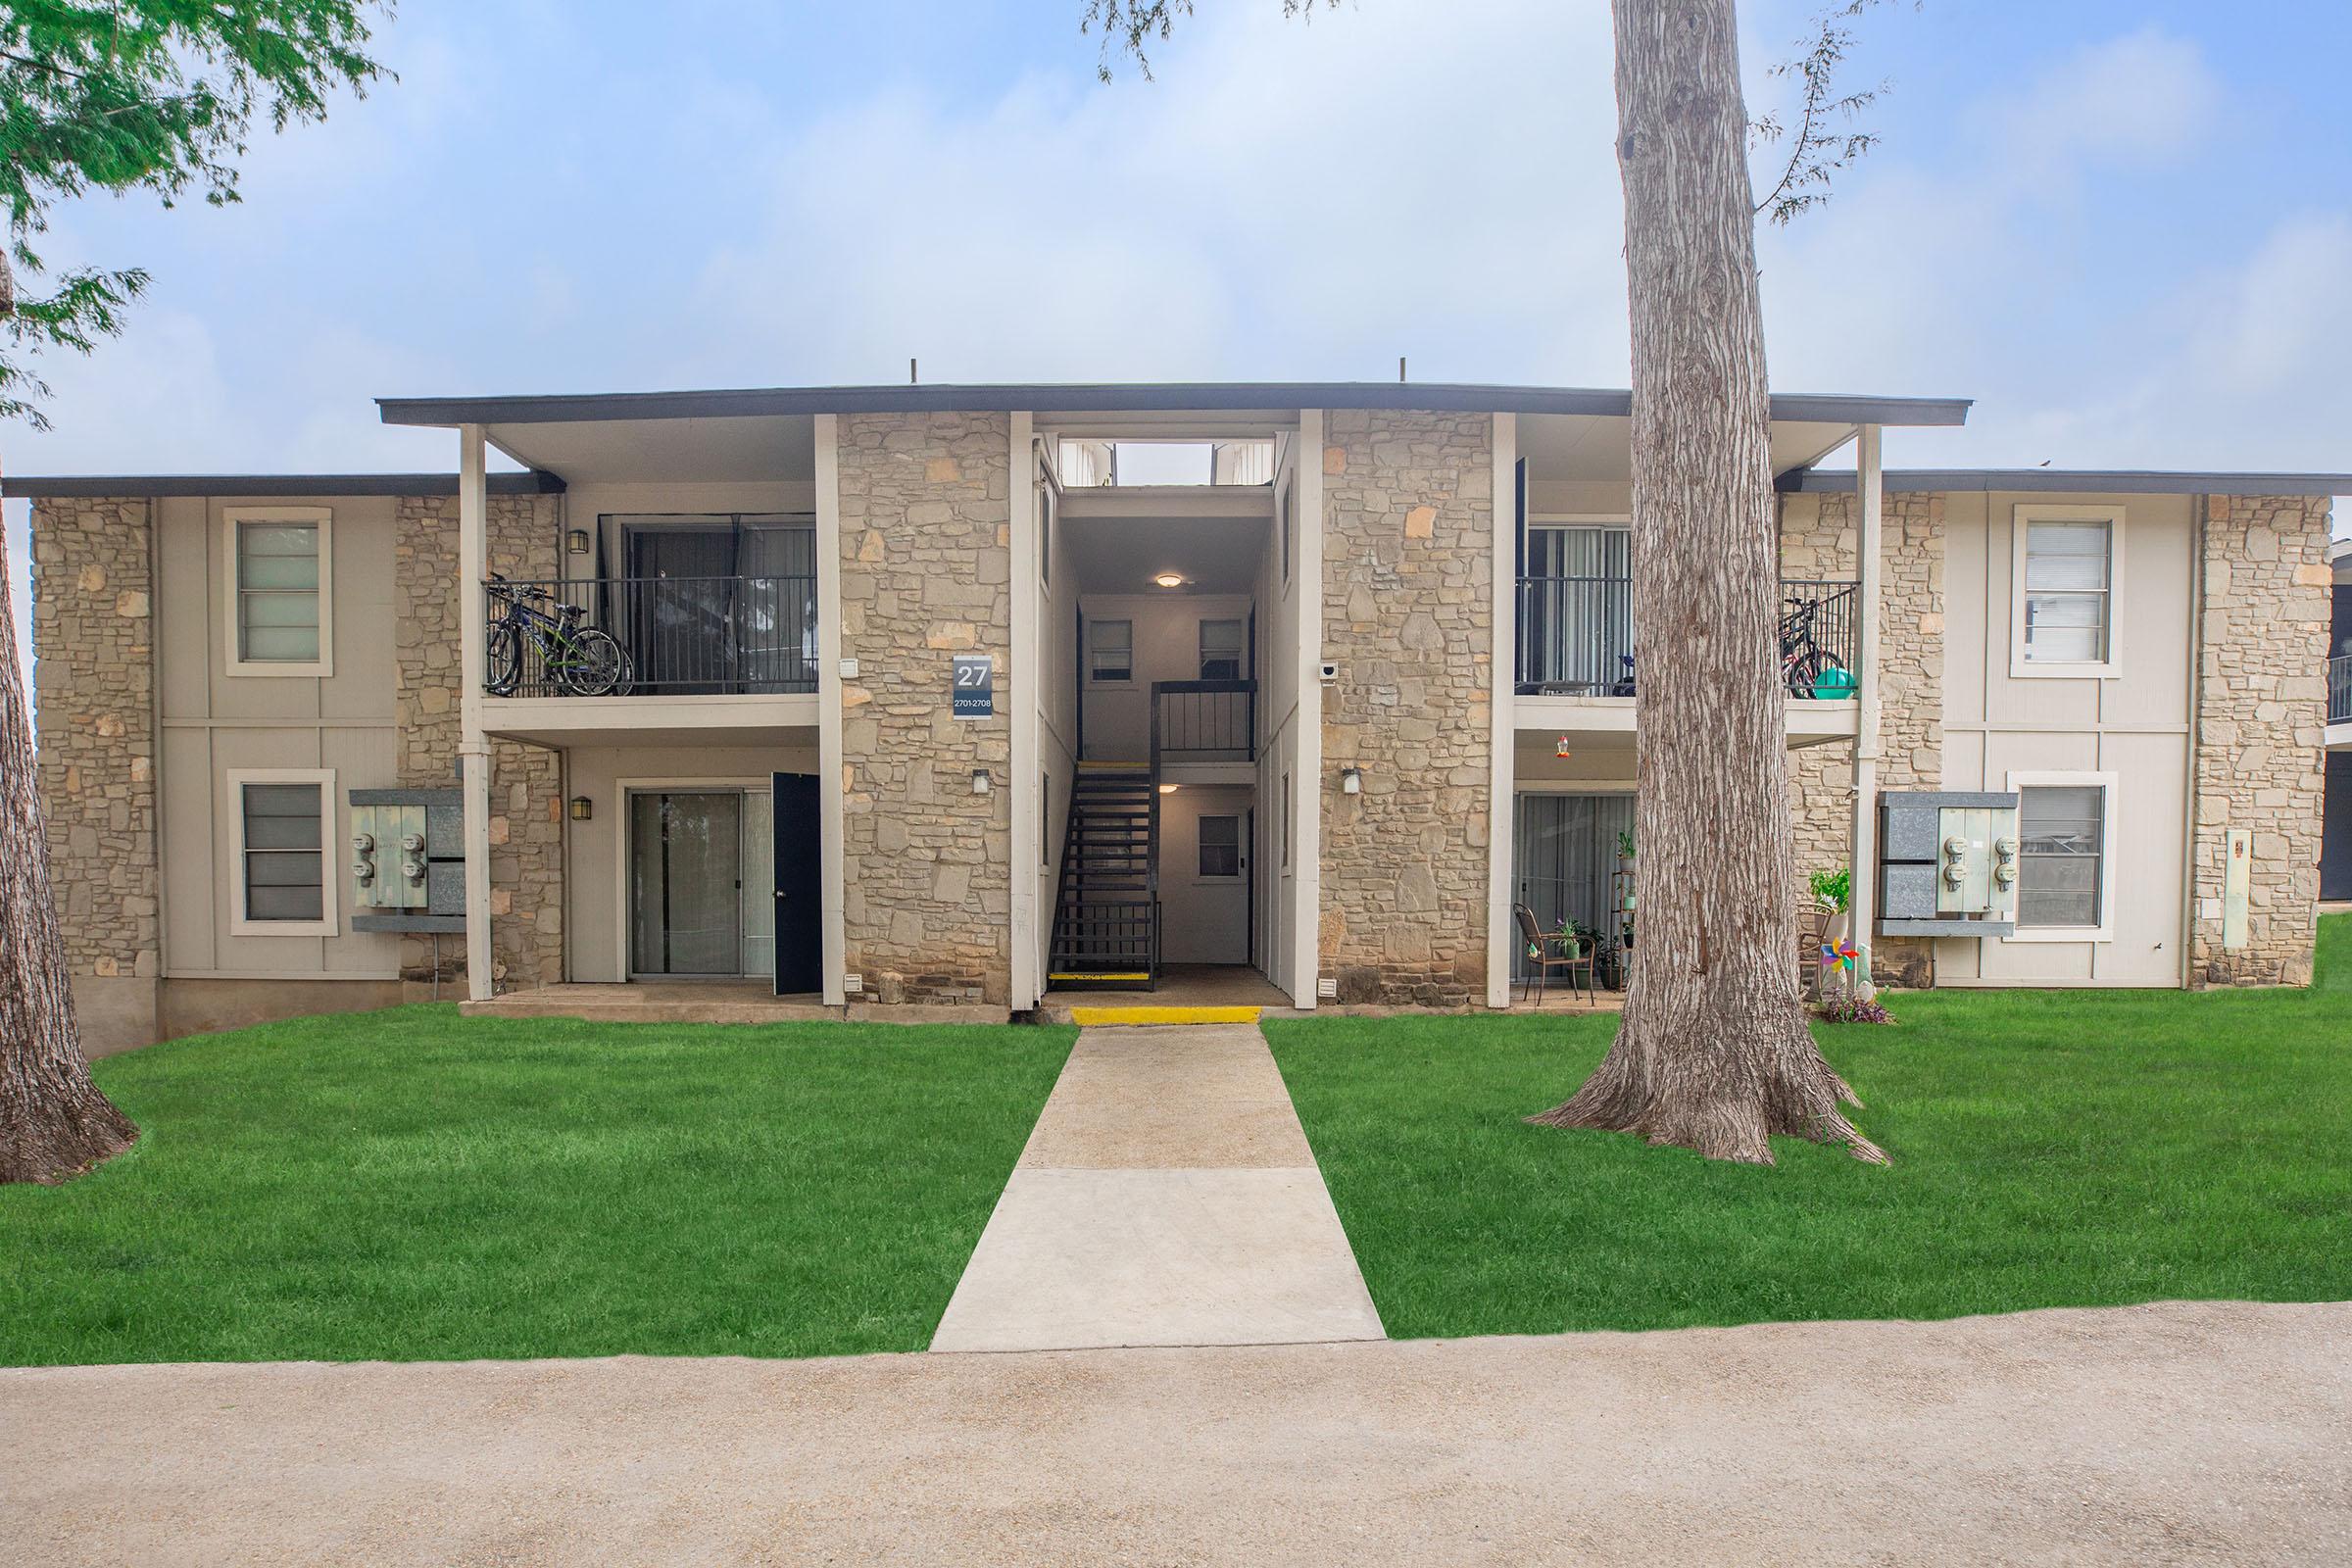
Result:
x=2261 y=732
x=1408 y=554
x=925 y=572
x=93 y=625
x=1819 y=542
x=526 y=787
x=1820 y=539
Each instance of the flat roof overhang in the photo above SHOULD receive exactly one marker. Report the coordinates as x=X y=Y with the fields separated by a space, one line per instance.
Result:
x=1221 y=397
x=240 y=485
x=2077 y=481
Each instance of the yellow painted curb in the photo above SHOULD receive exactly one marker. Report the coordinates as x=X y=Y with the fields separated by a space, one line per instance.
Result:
x=1099 y=1017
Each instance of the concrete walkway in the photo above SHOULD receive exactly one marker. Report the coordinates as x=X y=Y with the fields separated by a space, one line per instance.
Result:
x=2210 y=1432
x=1166 y=1197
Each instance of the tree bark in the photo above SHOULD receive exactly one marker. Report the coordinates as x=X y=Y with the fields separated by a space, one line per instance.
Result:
x=54 y=1123
x=1713 y=1053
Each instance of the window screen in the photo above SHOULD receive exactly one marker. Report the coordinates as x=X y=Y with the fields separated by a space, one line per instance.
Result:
x=285 y=852
x=1110 y=646
x=2062 y=830
x=2066 y=591
x=277 y=592
x=1223 y=649
x=1220 y=846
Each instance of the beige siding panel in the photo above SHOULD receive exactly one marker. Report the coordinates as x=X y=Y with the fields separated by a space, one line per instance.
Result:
x=2151 y=877
x=245 y=696
x=362 y=686
x=1969 y=646
x=184 y=633
x=2154 y=613
x=363 y=760
x=595 y=916
x=234 y=750
x=189 y=851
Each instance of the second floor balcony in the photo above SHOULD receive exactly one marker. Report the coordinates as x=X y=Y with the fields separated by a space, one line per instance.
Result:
x=657 y=636
x=2340 y=689
x=1576 y=637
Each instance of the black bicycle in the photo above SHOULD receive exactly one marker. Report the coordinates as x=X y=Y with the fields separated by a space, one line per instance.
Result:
x=1807 y=669
x=582 y=659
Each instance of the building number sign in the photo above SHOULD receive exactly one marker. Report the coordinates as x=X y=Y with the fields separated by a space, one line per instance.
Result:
x=974 y=694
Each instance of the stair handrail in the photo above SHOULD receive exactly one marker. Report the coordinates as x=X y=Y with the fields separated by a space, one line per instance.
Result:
x=1151 y=843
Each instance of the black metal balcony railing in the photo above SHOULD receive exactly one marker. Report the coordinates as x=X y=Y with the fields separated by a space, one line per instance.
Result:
x=1576 y=634
x=2340 y=689
x=1205 y=720
x=678 y=636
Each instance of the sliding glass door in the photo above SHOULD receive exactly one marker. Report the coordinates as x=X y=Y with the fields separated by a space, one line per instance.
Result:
x=701 y=884
x=720 y=604
x=1563 y=858
x=1576 y=608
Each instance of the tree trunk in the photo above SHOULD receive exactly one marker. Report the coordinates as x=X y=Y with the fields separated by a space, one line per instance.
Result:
x=54 y=1123
x=1713 y=1054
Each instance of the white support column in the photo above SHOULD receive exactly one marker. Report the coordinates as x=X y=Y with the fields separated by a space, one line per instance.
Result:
x=1502 y=675
x=831 y=765
x=1024 y=686
x=1306 y=788
x=474 y=747
x=1868 y=572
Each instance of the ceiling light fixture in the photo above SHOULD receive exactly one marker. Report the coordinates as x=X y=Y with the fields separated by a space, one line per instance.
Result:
x=1169 y=580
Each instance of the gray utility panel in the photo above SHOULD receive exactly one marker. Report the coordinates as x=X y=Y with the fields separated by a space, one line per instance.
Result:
x=408 y=860
x=1947 y=864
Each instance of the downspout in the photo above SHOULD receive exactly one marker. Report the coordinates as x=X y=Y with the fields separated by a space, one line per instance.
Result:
x=1862 y=898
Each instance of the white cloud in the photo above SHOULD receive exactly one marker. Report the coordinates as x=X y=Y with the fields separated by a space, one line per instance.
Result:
x=1285 y=200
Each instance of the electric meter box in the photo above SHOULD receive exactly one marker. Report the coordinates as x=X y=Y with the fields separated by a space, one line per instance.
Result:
x=1947 y=864
x=408 y=860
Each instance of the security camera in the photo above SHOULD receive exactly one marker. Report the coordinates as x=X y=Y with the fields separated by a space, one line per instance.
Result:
x=1331 y=673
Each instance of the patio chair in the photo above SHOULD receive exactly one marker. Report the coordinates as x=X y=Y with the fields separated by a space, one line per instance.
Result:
x=1548 y=951
x=1812 y=931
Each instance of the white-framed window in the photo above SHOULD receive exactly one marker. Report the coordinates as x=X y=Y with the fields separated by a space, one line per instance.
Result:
x=282 y=825
x=279 y=562
x=1110 y=651
x=2066 y=856
x=1224 y=650
x=1220 y=848
x=2066 y=564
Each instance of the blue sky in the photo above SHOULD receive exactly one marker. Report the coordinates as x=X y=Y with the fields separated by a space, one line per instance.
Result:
x=2124 y=230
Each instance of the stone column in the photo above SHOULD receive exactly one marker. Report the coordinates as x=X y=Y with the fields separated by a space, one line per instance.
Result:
x=526 y=822
x=1818 y=536
x=1408 y=561
x=2260 y=730
x=925 y=575
x=93 y=635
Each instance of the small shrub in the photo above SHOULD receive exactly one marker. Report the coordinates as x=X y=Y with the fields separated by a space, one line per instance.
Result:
x=1852 y=1009
x=1832 y=890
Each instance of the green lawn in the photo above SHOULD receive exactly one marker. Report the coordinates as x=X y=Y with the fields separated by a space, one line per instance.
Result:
x=407 y=1185
x=2050 y=1149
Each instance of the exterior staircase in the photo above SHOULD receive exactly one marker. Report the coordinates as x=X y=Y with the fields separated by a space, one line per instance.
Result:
x=1107 y=908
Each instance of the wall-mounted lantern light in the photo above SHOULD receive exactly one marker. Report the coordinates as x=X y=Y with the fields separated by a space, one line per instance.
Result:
x=582 y=809
x=576 y=541
x=1351 y=781
x=980 y=783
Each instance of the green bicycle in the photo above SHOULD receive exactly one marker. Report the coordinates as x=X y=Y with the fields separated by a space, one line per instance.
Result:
x=582 y=659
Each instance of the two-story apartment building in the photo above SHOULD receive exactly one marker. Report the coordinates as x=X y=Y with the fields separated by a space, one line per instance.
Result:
x=908 y=698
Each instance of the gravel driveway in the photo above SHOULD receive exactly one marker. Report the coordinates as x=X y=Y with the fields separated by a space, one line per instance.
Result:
x=2157 y=1433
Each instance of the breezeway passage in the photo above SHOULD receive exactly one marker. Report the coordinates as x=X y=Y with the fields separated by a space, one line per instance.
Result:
x=1166 y=1197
